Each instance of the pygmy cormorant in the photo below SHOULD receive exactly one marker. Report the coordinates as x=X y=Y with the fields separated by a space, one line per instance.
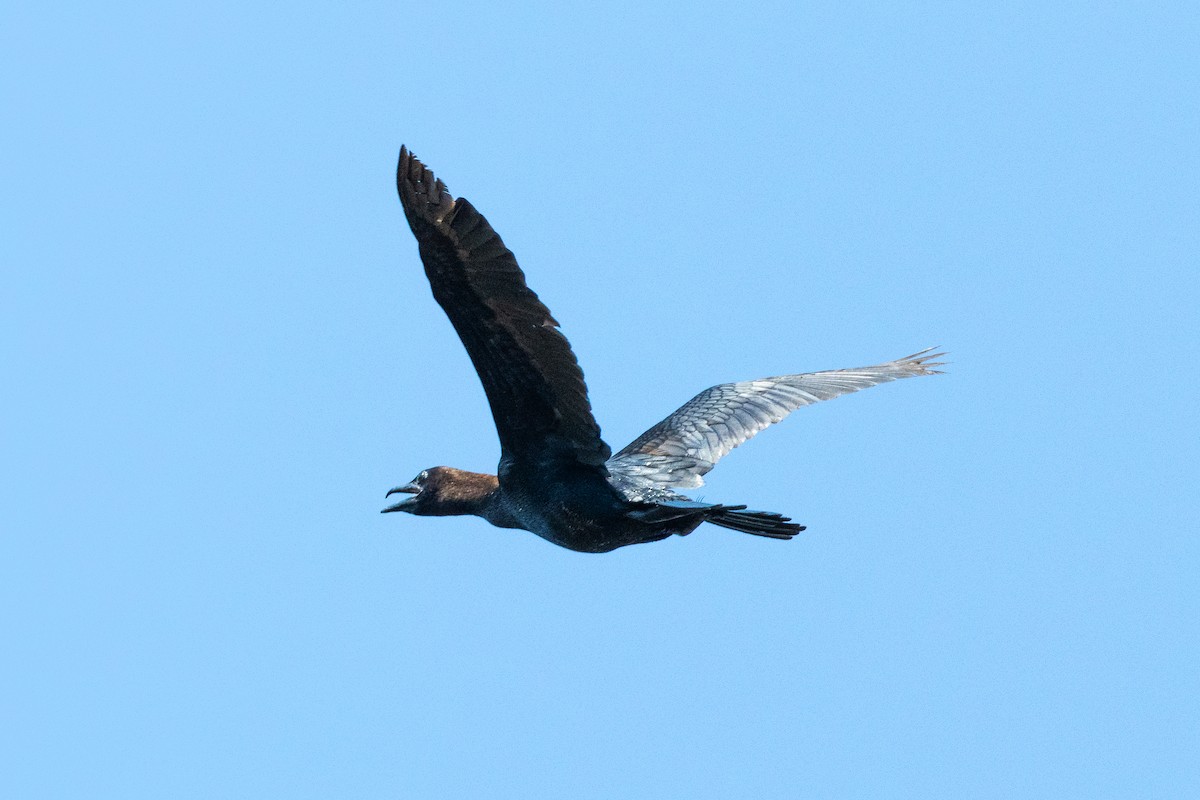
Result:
x=557 y=477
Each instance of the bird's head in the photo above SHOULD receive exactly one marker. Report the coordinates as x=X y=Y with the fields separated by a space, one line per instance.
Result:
x=422 y=492
x=443 y=491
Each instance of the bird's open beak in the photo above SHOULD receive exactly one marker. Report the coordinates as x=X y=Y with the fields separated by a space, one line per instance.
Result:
x=408 y=488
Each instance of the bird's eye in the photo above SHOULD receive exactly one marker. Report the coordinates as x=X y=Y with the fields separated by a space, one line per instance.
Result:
x=424 y=476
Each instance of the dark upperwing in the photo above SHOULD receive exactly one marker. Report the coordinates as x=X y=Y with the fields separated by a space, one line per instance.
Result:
x=533 y=382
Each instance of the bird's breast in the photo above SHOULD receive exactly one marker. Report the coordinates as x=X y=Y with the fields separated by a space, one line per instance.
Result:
x=579 y=517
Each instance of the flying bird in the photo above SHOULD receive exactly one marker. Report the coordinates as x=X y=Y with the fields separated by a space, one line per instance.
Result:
x=557 y=478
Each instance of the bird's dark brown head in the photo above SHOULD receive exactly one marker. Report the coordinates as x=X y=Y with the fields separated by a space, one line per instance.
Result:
x=444 y=491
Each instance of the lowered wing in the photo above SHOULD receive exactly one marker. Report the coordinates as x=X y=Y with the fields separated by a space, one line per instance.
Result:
x=687 y=444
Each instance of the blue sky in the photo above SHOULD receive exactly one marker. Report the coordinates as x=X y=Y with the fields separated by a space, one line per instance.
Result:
x=220 y=352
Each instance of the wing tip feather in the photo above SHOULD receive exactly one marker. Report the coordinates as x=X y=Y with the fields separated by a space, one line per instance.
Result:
x=423 y=194
x=922 y=362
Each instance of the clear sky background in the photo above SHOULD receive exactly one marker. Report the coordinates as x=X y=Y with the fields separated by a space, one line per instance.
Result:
x=219 y=351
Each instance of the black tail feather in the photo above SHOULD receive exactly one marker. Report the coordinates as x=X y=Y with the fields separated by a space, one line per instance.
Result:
x=757 y=523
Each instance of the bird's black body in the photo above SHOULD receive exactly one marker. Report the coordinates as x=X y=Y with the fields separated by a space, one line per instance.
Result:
x=557 y=478
x=577 y=509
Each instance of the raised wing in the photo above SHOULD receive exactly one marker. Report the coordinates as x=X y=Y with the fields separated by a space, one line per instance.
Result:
x=687 y=444
x=532 y=380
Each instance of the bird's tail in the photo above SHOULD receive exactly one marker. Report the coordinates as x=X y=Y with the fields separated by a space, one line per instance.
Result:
x=737 y=518
x=758 y=523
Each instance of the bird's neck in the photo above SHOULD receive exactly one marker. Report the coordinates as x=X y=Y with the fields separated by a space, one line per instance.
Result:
x=474 y=493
